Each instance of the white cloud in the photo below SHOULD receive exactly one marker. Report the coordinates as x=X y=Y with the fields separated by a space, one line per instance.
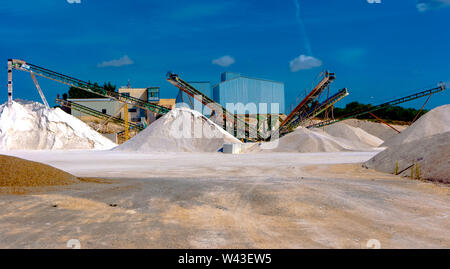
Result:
x=125 y=60
x=224 y=61
x=74 y=1
x=304 y=62
x=425 y=5
x=422 y=7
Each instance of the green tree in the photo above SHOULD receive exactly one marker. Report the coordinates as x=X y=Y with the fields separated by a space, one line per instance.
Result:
x=77 y=93
x=391 y=113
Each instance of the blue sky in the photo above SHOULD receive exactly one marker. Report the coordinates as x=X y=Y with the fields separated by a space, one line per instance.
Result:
x=378 y=51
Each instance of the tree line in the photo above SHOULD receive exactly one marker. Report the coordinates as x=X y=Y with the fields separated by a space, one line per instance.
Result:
x=77 y=93
x=391 y=113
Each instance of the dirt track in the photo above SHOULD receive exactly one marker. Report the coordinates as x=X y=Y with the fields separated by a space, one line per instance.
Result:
x=319 y=206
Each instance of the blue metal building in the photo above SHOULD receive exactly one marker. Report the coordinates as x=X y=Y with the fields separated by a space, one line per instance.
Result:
x=202 y=86
x=235 y=88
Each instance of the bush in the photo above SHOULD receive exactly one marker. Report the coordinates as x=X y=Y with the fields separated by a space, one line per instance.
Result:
x=392 y=113
x=77 y=93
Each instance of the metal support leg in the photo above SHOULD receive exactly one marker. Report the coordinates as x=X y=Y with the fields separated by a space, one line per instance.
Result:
x=10 y=86
x=39 y=90
x=382 y=121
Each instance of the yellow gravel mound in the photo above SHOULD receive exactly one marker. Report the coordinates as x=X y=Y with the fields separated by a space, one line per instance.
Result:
x=16 y=172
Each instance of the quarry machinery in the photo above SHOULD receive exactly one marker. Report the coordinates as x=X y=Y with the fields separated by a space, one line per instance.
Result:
x=251 y=134
x=315 y=110
x=326 y=80
x=441 y=87
x=39 y=90
x=127 y=125
x=98 y=114
x=309 y=107
x=10 y=85
x=87 y=86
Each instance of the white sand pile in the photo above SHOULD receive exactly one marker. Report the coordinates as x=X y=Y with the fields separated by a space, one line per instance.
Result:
x=353 y=134
x=377 y=129
x=431 y=153
x=304 y=140
x=180 y=130
x=30 y=125
x=436 y=121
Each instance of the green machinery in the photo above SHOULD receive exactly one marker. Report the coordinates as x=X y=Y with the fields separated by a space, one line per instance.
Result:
x=121 y=97
x=441 y=87
x=98 y=114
